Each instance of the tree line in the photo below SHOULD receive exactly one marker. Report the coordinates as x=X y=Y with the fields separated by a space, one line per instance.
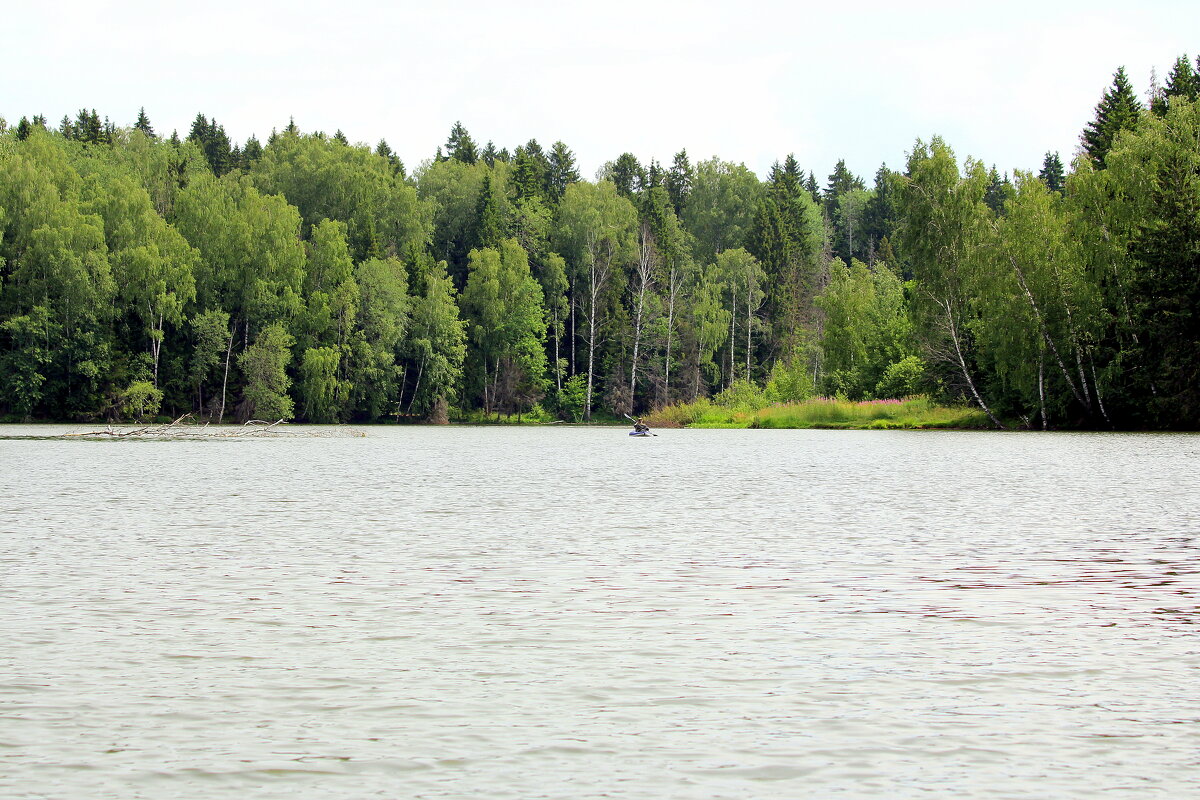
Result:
x=310 y=278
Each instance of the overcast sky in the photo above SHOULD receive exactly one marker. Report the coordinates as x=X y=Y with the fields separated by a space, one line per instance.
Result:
x=747 y=81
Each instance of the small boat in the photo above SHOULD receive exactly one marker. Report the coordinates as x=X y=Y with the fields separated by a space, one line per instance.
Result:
x=640 y=433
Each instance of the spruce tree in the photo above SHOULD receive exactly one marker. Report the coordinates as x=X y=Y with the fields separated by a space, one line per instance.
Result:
x=627 y=174
x=384 y=150
x=460 y=145
x=562 y=171
x=998 y=191
x=812 y=188
x=1053 y=174
x=841 y=180
x=143 y=123
x=1183 y=82
x=252 y=151
x=489 y=154
x=489 y=217
x=23 y=129
x=340 y=137
x=1117 y=110
x=66 y=128
x=679 y=181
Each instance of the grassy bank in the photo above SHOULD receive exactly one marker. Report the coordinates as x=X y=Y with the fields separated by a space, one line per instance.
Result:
x=822 y=412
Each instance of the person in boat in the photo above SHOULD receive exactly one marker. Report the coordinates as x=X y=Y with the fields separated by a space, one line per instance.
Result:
x=639 y=426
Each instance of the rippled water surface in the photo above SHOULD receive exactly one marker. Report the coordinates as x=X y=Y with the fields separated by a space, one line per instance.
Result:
x=571 y=613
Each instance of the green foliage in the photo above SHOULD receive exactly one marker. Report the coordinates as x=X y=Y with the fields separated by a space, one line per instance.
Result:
x=902 y=379
x=1118 y=110
x=312 y=270
x=141 y=399
x=573 y=397
x=866 y=327
x=264 y=364
x=324 y=394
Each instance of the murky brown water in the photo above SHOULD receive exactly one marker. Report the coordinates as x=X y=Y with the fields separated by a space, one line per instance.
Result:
x=569 y=613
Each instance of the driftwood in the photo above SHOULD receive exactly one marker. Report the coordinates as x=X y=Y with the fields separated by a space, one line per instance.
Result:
x=186 y=428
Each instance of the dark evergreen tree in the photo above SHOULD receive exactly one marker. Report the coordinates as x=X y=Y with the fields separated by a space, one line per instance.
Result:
x=489 y=154
x=627 y=174
x=23 y=129
x=292 y=128
x=881 y=217
x=654 y=176
x=530 y=168
x=490 y=228
x=88 y=128
x=460 y=145
x=251 y=152
x=143 y=123
x=340 y=137
x=811 y=186
x=562 y=171
x=1053 y=174
x=841 y=180
x=679 y=181
x=1183 y=82
x=999 y=190
x=66 y=128
x=1117 y=110
x=384 y=150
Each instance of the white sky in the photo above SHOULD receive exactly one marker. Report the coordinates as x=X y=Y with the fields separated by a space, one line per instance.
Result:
x=747 y=81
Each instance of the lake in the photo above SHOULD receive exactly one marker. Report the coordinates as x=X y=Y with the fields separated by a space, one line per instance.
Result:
x=568 y=612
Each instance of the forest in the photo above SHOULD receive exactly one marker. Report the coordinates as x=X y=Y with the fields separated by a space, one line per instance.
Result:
x=313 y=279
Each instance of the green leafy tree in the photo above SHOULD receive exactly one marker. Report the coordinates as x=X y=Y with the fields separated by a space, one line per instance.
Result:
x=721 y=207
x=945 y=224
x=596 y=235
x=264 y=365
x=436 y=348
x=503 y=306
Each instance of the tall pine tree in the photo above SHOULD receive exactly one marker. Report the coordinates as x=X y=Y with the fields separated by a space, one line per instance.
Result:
x=1117 y=110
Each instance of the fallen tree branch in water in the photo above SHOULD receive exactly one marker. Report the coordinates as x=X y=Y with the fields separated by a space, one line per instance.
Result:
x=186 y=428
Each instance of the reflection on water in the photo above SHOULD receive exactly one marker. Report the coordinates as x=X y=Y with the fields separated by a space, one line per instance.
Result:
x=566 y=613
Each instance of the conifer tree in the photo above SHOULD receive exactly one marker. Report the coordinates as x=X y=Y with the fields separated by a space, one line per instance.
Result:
x=811 y=186
x=143 y=123
x=489 y=226
x=251 y=152
x=679 y=181
x=1053 y=174
x=23 y=129
x=66 y=128
x=841 y=180
x=489 y=154
x=627 y=174
x=340 y=137
x=384 y=150
x=460 y=145
x=1183 y=82
x=1117 y=110
x=562 y=171
x=998 y=191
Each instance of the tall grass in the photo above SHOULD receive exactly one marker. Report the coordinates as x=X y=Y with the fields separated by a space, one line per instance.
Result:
x=821 y=412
